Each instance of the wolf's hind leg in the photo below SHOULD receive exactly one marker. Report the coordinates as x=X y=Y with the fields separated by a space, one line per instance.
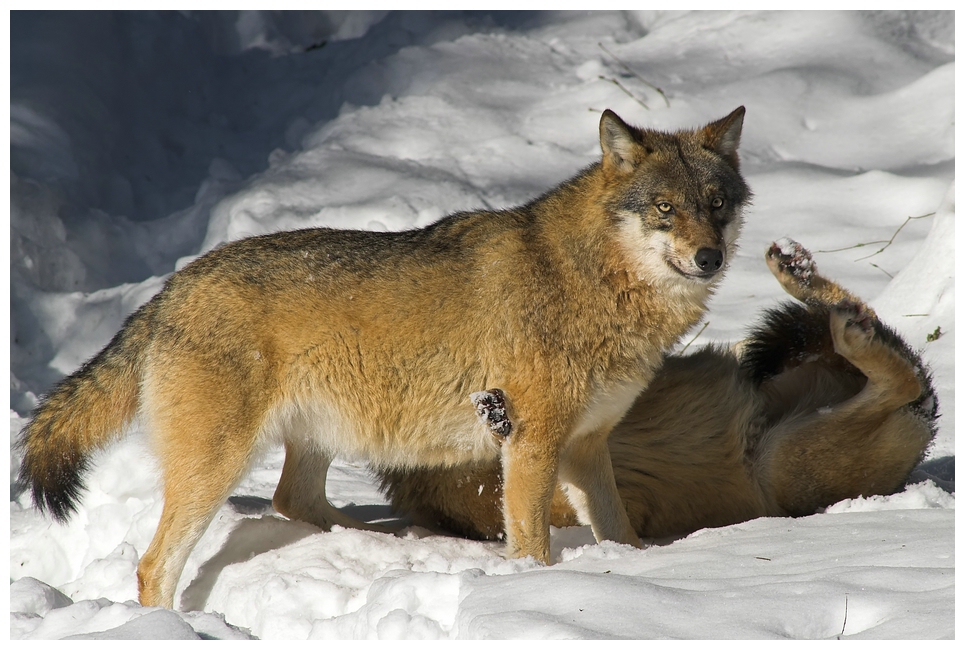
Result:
x=191 y=499
x=797 y=273
x=866 y=444
x=892 y=380
x=300 y=493
x=204 y=453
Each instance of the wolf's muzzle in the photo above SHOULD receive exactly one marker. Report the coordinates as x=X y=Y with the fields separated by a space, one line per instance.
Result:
x=709 y=260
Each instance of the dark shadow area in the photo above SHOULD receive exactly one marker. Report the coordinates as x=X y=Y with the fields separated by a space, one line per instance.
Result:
x=266 y=531
x=123 y=111
x=249 y=538
x=939 y=470
x=383 y=514
x=249 y=505
x=372 y=513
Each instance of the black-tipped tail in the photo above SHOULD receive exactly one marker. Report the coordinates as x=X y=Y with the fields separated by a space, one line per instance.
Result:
x=83 y=413
x=56 y=484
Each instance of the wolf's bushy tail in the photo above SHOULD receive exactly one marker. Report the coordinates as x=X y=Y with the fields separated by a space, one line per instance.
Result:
x=84 y=412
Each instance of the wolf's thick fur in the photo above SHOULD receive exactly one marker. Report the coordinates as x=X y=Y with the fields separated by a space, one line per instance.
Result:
x=370 y=344
x=822 y=402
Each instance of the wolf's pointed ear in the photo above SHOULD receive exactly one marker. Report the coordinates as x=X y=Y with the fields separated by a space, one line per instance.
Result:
x=724 y=135
x=617 y=141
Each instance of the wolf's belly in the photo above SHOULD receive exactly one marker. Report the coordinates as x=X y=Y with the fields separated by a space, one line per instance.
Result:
x=400 y=437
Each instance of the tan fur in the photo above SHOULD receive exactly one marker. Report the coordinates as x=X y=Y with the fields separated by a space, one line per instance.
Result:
x=705 y=445
x=369 y=344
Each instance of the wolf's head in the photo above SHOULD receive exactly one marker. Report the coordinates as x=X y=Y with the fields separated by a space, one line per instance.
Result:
x=677 y=198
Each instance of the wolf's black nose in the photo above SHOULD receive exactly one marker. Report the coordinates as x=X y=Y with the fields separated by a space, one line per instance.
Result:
x=709 y=259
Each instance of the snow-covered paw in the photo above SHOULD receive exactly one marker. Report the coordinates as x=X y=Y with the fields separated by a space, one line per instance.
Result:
x=791 y=263
x=492 y=410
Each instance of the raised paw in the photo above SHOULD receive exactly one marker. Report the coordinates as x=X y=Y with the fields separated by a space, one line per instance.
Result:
x=791 y=263
x=852 y=327
x=857 y=314
x=491 y=409
x=892 y=377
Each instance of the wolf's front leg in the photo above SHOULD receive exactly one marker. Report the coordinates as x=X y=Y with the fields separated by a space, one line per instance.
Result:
x=530 y=464
x=795 y=269
x=587 y=476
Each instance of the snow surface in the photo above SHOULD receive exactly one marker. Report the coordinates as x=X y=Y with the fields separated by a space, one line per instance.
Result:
x=141 y=140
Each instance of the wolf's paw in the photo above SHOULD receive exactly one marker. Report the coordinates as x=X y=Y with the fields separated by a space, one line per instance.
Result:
x=790 y=262
x=491 y=409
x=852 y=326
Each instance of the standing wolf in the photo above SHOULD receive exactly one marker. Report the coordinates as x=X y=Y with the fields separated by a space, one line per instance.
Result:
x=370 y=344
x=822 y=402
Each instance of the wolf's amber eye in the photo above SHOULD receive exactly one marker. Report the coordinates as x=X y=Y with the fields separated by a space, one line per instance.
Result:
x=665 y=207
x=717 y=203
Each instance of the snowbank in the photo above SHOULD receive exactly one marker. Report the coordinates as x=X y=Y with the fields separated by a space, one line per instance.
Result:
x=139 y=141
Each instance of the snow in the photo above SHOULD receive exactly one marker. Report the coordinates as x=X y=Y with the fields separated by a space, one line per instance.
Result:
x=141 y=140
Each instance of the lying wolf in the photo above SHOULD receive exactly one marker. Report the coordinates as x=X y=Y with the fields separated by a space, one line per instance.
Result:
x=820 y=403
